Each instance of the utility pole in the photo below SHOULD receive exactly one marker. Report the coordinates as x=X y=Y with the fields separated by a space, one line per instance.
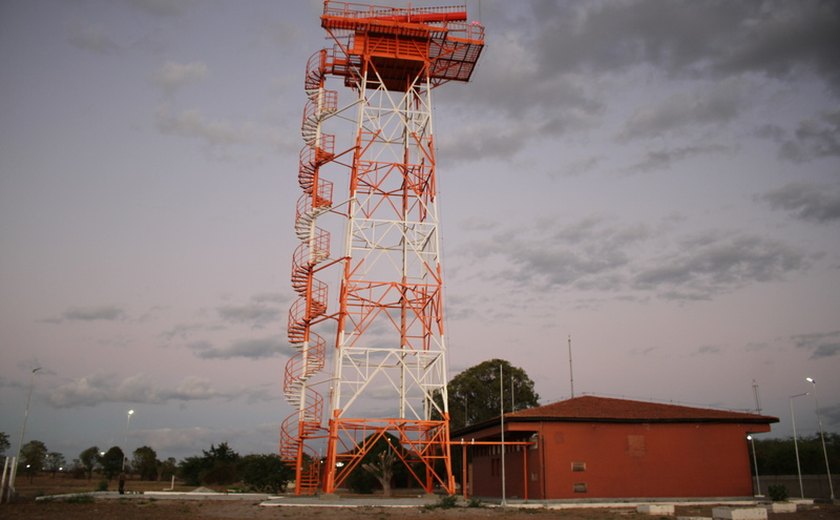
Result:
x=502 y=410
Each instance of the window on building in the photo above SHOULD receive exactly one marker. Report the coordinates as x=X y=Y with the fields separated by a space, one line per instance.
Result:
x=636 y=445
x=578 y=466
x=580 y=487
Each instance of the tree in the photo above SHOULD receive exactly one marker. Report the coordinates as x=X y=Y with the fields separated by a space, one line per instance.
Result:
x=4 y=443
x=89 y=458
x=145 y=463
x=54 y=462
x=778 y=456
x=167 y=468
x=33 y=455
x=77 y=469
x=216 y=466
x=383 y=469
x=265 y=473
x=221 y=464
x=112 y=462
x=474 y=393
x=363 y=481
x=192 y=469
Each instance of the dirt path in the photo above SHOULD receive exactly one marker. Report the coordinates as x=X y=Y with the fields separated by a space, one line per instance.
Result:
x=141 y=508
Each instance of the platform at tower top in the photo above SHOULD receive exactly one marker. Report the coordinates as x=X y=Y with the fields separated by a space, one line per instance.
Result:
x=401 y=42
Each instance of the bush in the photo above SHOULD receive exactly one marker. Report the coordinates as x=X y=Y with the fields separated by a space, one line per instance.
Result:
x=445 y=502
x=103 y=485
x=265 y=473
x=448 y=501
x=777 y=492
x=474 y=502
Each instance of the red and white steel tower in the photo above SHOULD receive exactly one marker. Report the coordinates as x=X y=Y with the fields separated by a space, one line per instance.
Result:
x=376 y=183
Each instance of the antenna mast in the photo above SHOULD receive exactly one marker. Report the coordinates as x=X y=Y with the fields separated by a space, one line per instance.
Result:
x=571 y=372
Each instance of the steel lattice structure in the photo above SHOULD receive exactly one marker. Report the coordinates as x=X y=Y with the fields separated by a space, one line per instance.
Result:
x=389 y=337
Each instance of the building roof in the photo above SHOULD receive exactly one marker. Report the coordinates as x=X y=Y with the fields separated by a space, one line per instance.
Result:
x=591 y=408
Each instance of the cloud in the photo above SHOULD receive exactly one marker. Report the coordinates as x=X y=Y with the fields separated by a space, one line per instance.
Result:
x=257 y=313
x=712 y=104
x=705 y=39
x=91 y=38
x=814 y=138
x=217 y=134
x=172 y=76
x=807 y=201
x=193 y=124
x=714 y=263
x=98 y=313
x=576 y=168
x=831 y=413
x=707 y=350
x=601 y=254
x=106 y=388
x=270 y=298
x=475 y=223
x=821 y=344
x=249 y=349
x=665 y=158
x=551 y=66
x=586 y=254
x=459 y=307
x=177 y=440
x=781 y=39
x=185 y=330
x=483 y=141
x=160 y=8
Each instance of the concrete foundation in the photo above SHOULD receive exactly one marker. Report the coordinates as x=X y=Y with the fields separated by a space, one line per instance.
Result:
x=656 y=509
x=730 y=513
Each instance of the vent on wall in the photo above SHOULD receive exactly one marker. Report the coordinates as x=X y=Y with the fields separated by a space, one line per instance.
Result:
x=580 y=487
x=578 y=466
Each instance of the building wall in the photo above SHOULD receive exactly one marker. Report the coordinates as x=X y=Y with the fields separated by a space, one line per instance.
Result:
x=603 y=460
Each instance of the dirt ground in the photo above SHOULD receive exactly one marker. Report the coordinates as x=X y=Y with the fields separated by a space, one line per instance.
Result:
x=138 y=507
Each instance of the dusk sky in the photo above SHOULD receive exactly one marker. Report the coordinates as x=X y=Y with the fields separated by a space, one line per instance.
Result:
x=658 y=179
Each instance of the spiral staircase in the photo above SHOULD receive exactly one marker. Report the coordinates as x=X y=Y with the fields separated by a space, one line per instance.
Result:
x=311 y=303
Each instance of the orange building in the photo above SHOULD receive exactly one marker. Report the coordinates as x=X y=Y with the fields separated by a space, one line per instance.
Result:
x=597 y=447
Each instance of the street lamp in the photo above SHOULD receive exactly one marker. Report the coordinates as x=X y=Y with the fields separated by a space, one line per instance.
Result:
x=795 y=445
x=822 y=437
x=22 y=430
x=125 y=439
x=755 y=465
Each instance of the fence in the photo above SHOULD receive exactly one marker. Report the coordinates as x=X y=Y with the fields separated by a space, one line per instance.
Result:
x=814 y=486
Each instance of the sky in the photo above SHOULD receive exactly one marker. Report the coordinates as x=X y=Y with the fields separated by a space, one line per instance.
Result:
x=659 y=181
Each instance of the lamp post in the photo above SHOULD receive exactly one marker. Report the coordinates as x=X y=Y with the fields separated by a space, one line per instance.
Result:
x=822 y=437
x=795 y=444
x=755 y=465
x=22 y=430
x=125 y=439
x=752 y=441
x=502 y=418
